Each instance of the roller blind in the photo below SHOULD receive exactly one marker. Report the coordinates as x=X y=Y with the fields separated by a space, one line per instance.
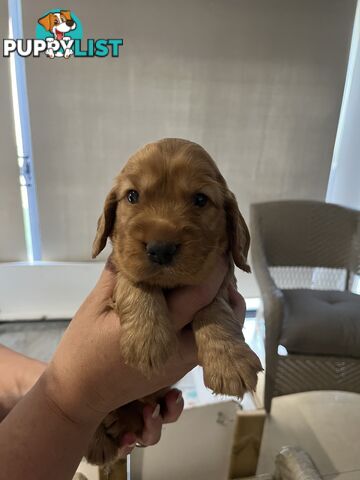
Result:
x=257 y=82
x=12 y=239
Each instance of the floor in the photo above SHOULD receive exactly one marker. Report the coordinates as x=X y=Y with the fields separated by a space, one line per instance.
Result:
x=325 y=424
x=37 y=339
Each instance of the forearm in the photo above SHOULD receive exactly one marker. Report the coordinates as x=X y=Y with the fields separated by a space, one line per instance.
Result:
x=18 y=374
x=38 y=441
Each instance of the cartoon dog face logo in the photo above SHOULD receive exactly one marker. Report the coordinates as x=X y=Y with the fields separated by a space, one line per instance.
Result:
x=58 y=24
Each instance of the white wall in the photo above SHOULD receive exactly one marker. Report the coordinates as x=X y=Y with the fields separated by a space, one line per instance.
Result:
x=55 y=290
x=45 y=290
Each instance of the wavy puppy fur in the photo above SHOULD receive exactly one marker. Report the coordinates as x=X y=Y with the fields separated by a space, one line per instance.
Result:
x=167 y=234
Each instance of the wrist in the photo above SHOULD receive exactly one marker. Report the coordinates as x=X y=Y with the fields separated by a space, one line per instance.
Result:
x=36 y=423
x=68 y=398
x=32 y=371
x=8 y=400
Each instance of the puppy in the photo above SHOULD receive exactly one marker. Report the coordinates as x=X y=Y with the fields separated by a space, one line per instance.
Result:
x=58 y=24
x=169 y=216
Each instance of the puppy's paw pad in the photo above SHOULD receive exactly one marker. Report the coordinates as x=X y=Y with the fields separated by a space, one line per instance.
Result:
x=232 y=371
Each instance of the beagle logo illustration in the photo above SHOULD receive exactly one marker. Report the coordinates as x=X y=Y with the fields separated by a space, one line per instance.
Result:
x=55 y=28
x=59 y=34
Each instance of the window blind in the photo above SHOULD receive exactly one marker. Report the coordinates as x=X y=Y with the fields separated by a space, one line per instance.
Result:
x=258 y=83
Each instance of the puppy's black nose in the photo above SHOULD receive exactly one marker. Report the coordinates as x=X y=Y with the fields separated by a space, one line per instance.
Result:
x=161 y=253
x=69 y=23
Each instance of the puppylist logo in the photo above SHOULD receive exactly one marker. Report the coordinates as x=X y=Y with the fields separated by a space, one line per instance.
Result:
x=59 y=34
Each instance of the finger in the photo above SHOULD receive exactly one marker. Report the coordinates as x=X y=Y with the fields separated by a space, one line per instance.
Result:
x=125 y=451
x=127 y=444
x=152 y=425
x=237 y=303
x=106 y=283
x=109 y=265
x=174 y=405
x=103 y=290
x=187 y=348
x=184 y=302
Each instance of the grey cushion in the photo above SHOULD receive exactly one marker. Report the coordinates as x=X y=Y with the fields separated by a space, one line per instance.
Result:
x=321 y=322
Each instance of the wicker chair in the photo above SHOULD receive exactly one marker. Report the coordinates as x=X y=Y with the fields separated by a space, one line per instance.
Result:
x=306 y=258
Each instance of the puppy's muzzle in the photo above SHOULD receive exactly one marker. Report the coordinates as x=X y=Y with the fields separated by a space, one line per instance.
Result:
x=160 y=252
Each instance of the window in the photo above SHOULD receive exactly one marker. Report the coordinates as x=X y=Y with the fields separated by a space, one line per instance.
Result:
x=23 y=139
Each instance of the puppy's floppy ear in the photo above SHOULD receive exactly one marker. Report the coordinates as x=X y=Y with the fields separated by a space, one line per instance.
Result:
x=46 y=21
x=105 y=223
x=238 y=232
x=66 y=14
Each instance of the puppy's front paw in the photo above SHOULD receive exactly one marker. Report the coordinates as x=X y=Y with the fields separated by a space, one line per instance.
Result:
x=147 y=335
x=230 y=370
x=148 y=351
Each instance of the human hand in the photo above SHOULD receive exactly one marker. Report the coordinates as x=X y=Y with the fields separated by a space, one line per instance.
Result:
x=173 y=405
x=87 y=377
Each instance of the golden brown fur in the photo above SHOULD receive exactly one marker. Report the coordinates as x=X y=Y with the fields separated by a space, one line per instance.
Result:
x=167 y=174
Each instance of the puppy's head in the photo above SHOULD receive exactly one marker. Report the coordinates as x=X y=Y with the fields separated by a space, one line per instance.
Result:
x=169 y=214
x=58 y=23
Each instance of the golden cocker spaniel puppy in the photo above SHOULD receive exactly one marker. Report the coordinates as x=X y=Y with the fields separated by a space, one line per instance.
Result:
x=169 y=216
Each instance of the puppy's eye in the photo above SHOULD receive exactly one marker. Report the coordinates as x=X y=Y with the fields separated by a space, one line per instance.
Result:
x=56 y=22
x=200 y=199
x=133 y=196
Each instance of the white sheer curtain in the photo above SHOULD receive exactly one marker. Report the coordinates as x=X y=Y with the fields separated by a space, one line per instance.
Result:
x=12 y=238
x=344 y=184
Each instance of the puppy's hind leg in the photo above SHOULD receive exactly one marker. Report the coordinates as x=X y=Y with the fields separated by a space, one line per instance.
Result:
x=230 y=366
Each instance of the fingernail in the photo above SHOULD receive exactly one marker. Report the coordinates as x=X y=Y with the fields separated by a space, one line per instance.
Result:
x=156 y=412
x=179 y=398
x=132 y=445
